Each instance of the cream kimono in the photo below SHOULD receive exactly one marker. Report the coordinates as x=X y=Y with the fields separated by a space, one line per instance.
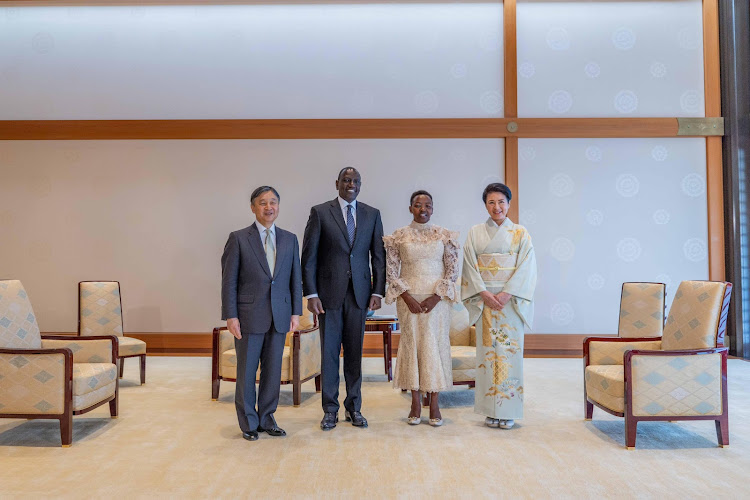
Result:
x=499 y=259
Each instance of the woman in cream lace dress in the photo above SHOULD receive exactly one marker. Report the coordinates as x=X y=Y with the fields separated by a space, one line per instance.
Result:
x=422 y=269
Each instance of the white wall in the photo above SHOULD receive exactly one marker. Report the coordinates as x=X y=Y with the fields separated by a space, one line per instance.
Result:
x=155 y=214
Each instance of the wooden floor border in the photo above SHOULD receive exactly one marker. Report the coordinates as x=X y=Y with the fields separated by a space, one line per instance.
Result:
x=199 y=344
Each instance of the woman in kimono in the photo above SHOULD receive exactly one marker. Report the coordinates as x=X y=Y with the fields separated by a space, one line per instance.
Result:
x=422 y=268
x=497 y=287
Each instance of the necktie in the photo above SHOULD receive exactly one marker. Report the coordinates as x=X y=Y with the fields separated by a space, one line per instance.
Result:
x=270 y=251
x=350 y=223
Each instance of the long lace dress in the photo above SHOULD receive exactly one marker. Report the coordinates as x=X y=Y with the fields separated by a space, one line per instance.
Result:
x=423 y=259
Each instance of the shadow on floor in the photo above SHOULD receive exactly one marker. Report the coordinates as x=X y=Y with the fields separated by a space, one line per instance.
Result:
x=654 y=435
x=46 y=433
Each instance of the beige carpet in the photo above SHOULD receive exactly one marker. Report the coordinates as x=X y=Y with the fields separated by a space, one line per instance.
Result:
x=171 y=440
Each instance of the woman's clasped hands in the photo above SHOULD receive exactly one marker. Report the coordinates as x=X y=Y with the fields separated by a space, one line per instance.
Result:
x=417 y=307
x=495 y=301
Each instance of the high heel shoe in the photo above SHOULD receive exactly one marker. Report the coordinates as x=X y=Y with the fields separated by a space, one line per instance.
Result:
x=436 y=422
x=414 y=420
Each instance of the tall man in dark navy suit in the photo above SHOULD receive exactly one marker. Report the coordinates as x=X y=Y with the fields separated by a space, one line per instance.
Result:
x=343 y=241
x=261 y=300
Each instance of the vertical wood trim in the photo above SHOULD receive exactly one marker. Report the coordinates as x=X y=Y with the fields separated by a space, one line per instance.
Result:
x=510 y=92
x=510 y=62
x=714 y=164
x=511 y=174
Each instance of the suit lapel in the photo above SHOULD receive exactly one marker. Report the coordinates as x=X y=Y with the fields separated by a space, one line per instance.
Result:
x=338 y=216
x=254 y=238
x=361 y=220
x=281 y=250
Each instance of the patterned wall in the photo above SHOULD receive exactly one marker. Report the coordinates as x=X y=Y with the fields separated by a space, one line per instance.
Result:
x=605 y=211
x=294 y=60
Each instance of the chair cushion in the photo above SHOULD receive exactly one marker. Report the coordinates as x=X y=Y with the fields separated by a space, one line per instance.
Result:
x=605 y=384
x=128 y=346
x=18 y=327
x=641 y=310
x=92 y=382
x=464 y=363
x=99 y=305
x=612 y=353
x=460 y=328
x=694 y=316
x=228 y=365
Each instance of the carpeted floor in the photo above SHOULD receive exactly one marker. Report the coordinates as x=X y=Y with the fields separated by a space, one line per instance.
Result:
x=171 y=440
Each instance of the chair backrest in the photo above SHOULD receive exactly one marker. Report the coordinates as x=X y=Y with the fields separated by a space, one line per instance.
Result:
x=460 y=327
x=306 y=319
x=99 y=308
x=697 y=318
x=642 y=310
x=18 y=326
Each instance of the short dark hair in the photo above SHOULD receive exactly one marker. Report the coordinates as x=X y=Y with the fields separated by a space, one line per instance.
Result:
x=419 y=193
x=497 y=187
x=341 y=172
x=263 y=189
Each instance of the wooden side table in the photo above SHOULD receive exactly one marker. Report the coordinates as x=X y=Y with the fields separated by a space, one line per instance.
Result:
x=385 y=324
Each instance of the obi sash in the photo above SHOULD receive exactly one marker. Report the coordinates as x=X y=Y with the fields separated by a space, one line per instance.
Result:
x=496 y=267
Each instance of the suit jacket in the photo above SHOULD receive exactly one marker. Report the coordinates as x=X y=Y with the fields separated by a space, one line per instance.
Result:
x=250 y=292
x=329 y=261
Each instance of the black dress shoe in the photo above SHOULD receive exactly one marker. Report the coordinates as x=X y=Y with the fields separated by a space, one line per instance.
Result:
x=356 y=418
x=273 y=431
x=250 y=435
x=329 y=421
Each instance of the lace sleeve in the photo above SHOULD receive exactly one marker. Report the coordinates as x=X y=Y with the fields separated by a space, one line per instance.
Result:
x=396 y=285
x=446 y=287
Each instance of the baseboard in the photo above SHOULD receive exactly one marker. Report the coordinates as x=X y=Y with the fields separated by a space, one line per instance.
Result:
x=536 y=345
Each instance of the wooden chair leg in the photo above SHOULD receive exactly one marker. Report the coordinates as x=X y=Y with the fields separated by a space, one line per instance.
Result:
x=215 y=388
x=631 y=428
x=66 y=430
x=317 y=383
x=114 y=406
x=143 y=369
x=722 y=431
x=588 y=409
x=296 y=392
x=122 y=366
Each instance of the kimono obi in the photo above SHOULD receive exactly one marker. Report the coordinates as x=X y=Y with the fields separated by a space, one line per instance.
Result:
x=496 y=267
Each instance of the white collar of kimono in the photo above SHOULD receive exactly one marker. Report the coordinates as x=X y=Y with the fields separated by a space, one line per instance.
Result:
x=492 y=223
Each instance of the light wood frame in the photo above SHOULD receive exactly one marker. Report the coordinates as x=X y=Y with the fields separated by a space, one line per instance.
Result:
x=434 y=128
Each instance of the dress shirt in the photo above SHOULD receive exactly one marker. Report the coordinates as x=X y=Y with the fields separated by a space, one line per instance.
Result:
x=344 y=210
x=262 y=232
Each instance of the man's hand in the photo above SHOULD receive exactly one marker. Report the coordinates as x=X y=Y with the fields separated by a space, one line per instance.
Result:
x=233 y=325
x=429 y=303
x=503 y=298
x=315 y=306
x=294 y=323
x=414 y=306
x=374 y=303
x=490 y=300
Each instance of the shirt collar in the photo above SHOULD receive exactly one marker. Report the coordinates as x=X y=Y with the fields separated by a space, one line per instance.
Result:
x=344 y=203
x=262 y=228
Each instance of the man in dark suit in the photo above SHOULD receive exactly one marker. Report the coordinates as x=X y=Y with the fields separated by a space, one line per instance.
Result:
x=343 y=239
x=261 y=299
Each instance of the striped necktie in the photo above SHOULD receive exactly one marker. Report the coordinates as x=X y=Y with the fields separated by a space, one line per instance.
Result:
x=270 y=251
x=350 y=223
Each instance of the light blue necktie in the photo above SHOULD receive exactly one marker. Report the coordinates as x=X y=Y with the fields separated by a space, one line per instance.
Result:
x=270 y=251
x=350 y=223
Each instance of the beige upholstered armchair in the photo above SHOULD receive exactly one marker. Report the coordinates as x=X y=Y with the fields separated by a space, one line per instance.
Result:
x=51 y=377
x=100 y=313
x=463 y=347
x=642 y=307
x=681 y=376
x=300 y=362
